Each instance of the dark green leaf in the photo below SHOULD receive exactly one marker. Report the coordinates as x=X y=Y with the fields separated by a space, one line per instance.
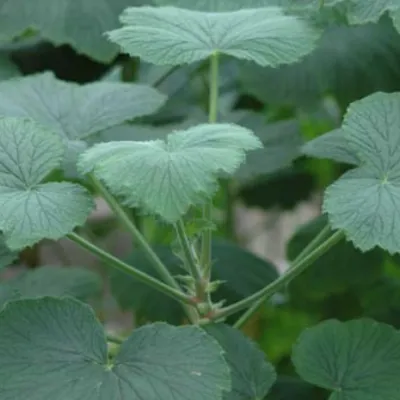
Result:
x=80 y=23
x=340 y=65
x=357 y=360
x=55 y=348
x=343 y=267
x=252 y=376
x=7 y=256
x=54 y=281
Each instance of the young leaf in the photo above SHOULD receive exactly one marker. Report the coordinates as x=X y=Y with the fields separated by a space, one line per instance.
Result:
x=333 y=146
x=80 y=23
x=54 y=281
x=357 y=360
x=252 y=376
x=364 y=202
x=167 y=177
x=30 y=210
x=343 y=267
x=55 y=348
x=76 y=111
x=175 y=36
x=228 y=267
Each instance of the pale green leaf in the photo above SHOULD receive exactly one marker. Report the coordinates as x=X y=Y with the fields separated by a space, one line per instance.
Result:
x=30 y=210
x=53 y=281
x=333 y=146
x=365 y=202
x=7 y=68
x=7 y=256
x=252 y=376
x=79 y=23
x=356 y=360
x=167 y=177
x=176 y=36
x=56 y=348
x=76 y=111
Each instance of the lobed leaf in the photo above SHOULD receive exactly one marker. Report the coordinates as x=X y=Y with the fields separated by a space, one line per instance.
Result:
x=357 y=360
x=364 y=202
x=7 y=256
x=30 y=210
x=174 y=36
x=167 y=177
x=55 y=348
x=76 y=111
x=217 y=5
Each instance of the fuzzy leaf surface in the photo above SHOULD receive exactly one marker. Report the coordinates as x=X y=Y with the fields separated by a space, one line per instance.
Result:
x=252 y=375
x=31 y=210
x=217 y=5
x=174 y=36
x=59 y=350
x=357 y=360
x=79 y=23
x=365 y=201
x=167 y=177
x=76 y=111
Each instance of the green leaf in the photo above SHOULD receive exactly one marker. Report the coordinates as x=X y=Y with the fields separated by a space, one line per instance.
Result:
x=30 y=210
x=242 y=274
x=76 y=111
x=55 y=348
x=177 y=36
x=251 y=375
x=343 y=267
x=340 y=66
x=7 y=256
x=364 y=202
x=54 y=281
x=80 y=23
x=170 y=175
x=289 y=388
x=357 y=360
x=216 y=5
x=333 y=146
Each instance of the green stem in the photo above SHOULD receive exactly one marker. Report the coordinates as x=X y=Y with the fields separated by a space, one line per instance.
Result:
x=283 y=280
x=116 y=263
x=137 y=236
x=191 y=261
x=114 y=339
x=307 y=250
x=212 y=118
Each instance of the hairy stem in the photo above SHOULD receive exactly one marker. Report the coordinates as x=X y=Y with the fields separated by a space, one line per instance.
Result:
x=212 y=118
x=283 y=280
x=137 y=236
x=116 y=263
x=307 y=250
x=191 y=260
